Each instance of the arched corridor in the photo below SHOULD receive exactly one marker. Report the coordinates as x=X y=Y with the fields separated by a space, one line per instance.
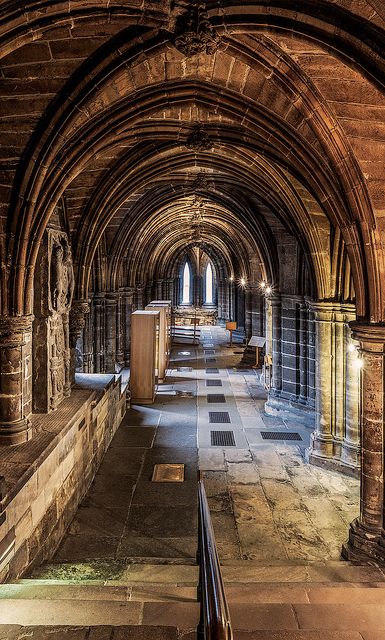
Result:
x=172 y=170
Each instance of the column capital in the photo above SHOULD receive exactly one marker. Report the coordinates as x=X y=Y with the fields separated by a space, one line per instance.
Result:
x=275 y=299
x=328 y=311
x=369 y=334
x=112 y=298
x=13 y=328
x=79 y=310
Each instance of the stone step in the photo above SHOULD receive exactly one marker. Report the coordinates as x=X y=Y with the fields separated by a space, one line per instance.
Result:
x=254 y=593
x=17 y=632
x=306 y=572
x=119 y=572
x=272 y=617
x=51 y=590
x=187 y=574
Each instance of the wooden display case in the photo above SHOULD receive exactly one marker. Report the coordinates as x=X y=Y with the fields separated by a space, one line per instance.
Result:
x=164 y=329
x=144 y=356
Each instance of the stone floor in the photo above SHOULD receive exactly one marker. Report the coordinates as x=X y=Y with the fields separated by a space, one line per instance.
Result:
x=267 y=504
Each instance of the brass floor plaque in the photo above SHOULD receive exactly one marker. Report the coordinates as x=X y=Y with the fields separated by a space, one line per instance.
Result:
x=168 y=473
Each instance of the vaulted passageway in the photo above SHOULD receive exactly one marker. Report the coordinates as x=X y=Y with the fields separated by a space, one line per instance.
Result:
x=224 y=156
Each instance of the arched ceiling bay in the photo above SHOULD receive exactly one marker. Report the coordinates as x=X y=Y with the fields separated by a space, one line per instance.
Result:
x=121 y=123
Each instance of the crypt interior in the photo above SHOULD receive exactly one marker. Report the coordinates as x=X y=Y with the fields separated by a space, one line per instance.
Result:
x=180 y=179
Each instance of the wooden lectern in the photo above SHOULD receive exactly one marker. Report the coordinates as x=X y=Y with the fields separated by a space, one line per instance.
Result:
x=231 y=326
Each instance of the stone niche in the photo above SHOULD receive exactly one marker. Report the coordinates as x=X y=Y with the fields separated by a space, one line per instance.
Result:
x=54 y=285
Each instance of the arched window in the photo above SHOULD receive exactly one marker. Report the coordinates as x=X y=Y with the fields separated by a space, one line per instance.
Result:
x=186 y=284
x=209 y=284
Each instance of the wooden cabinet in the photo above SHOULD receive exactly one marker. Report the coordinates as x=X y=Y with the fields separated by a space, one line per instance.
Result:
x=163 y=337
x=144 y=356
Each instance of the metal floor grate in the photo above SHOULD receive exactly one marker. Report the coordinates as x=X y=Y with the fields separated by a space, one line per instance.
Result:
x=210 y=359
x=215 y=397
x=184 y=368
x=213 y=383
x=220 y=417
x=222 y=439
x=209 y=352
x=208 y=344
x=280 y=435
x=212 y=370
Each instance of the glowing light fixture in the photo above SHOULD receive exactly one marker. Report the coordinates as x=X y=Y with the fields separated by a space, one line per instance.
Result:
x=243 y=282
x=231 y=278
x=268 y=290
x=263 y=284
x=359 y=363
x=351 y=347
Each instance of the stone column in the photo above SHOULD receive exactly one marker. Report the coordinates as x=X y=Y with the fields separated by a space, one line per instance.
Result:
x=15 y=379
x=170 y=290
x=366 y=535
x=303 y=353
x=322 y=438
x=276 y=345
x=120 y=330
x=248 y=312
x=350 y=453
x=110 y=315
x=78 y=312
x=336 y=378
x=159 y=290
x=98 y=304
x=87 y=345
x=127 y=311
x=138 y=298
x=311 y=357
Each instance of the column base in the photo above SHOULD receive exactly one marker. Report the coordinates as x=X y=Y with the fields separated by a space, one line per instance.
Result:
x=12 y=433
x=364 y=546
x=282 y=408
x=326 y=452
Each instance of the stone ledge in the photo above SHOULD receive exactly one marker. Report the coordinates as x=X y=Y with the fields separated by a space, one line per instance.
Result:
x=20 y=462
x=46 y=478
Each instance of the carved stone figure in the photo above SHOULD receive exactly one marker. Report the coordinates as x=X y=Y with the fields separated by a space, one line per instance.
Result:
x=199 y=139
x=55 y=286
x=62 y=276
x=195 y=34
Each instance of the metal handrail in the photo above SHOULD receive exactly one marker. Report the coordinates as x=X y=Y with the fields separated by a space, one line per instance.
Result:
x=214 y=623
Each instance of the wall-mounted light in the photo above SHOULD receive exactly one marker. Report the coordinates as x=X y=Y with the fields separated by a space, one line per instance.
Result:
x=242 y=282
x=231 y=278
x=351 y=347
x=358 y=363
x=268 y=290
x=263 y=284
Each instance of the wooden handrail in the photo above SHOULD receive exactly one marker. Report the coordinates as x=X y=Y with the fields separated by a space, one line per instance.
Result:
x=215 y=623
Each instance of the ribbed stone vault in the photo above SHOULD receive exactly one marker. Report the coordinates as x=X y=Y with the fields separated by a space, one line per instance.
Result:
x=135 y=135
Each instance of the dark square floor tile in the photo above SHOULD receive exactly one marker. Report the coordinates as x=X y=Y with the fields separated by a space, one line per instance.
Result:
x=138 y=416
x=133 y=437
x=175 y=437
x=126 y=461
x=99 y=521
x=110 y=491
x=162 y=522
x=177 y=420
x=149 y=547
x=86 y=547
x=165 y=493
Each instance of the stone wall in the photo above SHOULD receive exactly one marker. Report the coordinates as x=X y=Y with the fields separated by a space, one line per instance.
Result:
x=45 y=479
x=293 y=351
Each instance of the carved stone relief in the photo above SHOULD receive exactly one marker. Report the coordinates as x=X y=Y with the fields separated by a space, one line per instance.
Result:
x=54 y=286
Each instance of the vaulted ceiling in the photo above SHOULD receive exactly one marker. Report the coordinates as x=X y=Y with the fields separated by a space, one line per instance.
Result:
x=243 y=128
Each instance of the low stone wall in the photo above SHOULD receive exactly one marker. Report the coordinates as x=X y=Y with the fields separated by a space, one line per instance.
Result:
x=45 y=479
